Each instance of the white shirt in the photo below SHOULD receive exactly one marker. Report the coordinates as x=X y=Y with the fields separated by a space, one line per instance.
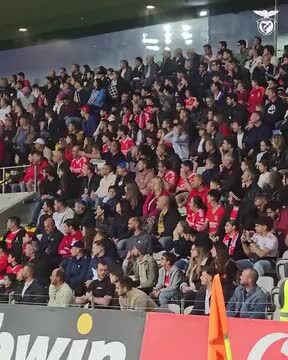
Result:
x=267 y=242
x=60 y=218
x=4 y=112
x=240 y=140
x=264 y=179
x=104 y=185
x=207 y=302
x=26 y=286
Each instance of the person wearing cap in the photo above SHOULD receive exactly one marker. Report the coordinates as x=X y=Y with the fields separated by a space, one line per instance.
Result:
x=27 y=98
x=76 y=268
x=90 y=121
x=145 y=268
x=40 y=146
x=261 y=248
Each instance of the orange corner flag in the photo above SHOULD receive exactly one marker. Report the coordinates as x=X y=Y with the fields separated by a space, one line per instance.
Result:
x=218 y=341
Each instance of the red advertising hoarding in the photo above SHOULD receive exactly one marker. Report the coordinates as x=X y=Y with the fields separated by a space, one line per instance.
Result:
x=170 y=337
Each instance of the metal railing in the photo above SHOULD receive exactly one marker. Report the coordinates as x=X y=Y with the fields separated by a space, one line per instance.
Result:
x=7 y=174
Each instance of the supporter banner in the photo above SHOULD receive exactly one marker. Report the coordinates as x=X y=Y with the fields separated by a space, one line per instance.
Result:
x=37 y=333
x=171 y=337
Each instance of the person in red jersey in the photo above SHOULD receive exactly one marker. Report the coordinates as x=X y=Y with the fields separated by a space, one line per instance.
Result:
x=196 y=213
x=186 y=177
x=256 y=97
x=3 y=259
x=72 y=234
x=214 y=214
x=169 y=177
x=199 y=189
x=140 y=116
x=125 y=141
x=14 y=264
x=78 y=162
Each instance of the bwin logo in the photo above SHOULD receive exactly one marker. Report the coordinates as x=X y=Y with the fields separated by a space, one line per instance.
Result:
x=266 y=25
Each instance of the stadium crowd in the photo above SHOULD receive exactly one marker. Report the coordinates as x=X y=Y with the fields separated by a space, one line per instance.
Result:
x=150 y=180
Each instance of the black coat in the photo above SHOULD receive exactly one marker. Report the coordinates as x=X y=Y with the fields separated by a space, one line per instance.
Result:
x=49 y=245
x=35 y=294
x=170 y=220
x=91 y=184
x=42 y=269
x=17 y=242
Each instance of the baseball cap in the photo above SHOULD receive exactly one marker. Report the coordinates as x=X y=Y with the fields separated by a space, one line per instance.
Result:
x=122 y=165
x=78 y=244
x=86 y=109
x=39 y=141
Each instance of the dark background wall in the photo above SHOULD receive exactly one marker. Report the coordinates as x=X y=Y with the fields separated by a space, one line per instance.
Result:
x=109 y=49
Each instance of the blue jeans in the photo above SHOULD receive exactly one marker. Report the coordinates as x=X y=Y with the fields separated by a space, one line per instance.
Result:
x=164 y=298
x=261 y=266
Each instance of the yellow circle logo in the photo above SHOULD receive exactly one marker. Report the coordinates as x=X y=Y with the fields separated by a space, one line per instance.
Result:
x=84 y=324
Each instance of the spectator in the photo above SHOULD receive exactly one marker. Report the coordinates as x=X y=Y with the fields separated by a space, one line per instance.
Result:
x=232 y=240
x=143 y=176
x=50 y=242
x=89 y=124
x=131 y=298
x=138 y=236
x=145 y=269
x=62 y=213
x=180 y=141
x=196 y=211
x=169 y=280
x=3 y=260
x=76 y=268
x=203 y=296
x=249 y=300
x=84 y=216
x=214 y=213
x=100 y=290
x=78 y=162
x=165 y=222
x=261 y=248
x=99 y=254
x=72 y=234
x=135 y=198
x=8 y=288
x=30 y=292
x=60 y=294
x=14 y=236
x=14 y=264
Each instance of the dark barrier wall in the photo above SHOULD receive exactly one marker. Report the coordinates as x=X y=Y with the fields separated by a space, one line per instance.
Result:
x=28 y=332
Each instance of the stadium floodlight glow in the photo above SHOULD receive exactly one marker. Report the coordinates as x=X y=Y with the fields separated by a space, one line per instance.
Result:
x=22 y=29
x=168 y=41
x=186 y=27
x=153 y=47
x=150 y=41
x=203 y=13
x=150 y=7
x=167 y=48
x=186 y=35
x=167 y=27
x=188 y=41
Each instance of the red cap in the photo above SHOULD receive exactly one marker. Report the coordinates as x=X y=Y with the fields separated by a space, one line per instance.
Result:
x=86 y=109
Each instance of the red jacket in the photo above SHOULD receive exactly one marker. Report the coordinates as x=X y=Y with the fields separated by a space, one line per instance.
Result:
x=3 y=265
x=256 y=98
x=29 y=174
x=67 y=241
x=150 y=204
x=14 y=269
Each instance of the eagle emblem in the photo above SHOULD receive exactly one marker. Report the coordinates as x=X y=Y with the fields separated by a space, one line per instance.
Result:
x=266 y=25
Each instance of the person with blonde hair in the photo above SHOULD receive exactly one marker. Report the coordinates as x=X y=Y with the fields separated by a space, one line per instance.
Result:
x=157 y=189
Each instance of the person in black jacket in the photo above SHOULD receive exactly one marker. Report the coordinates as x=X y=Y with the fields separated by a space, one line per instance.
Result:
x=76 y=268
x=30 y=292
x=165 y=222
x=90 y=180
x=8 y=288
x=50 y=242
x=40 y=261
x=168 y=67
x=83 y=215
x=14 y=236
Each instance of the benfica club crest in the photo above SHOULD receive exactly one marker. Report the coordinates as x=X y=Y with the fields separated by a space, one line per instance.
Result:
x=266 y=25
